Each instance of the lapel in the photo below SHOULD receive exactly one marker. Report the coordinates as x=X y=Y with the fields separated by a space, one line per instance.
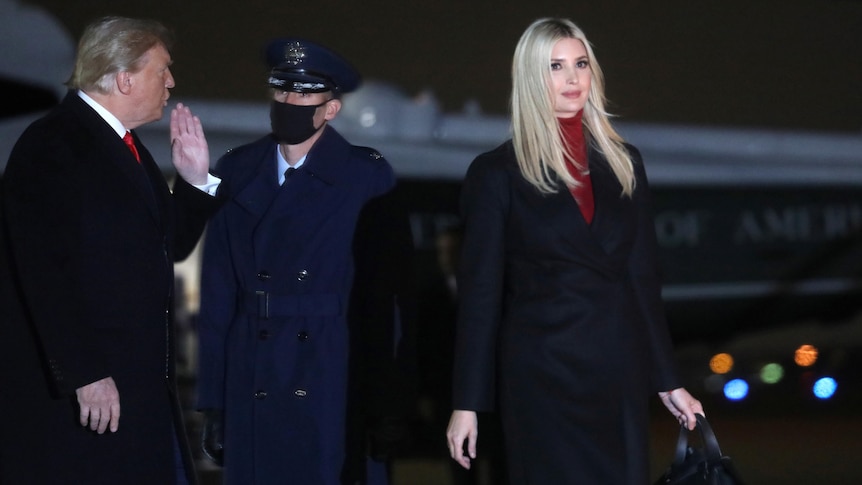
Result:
x=611 y=215
x=153 y=191
x=256 y=197
x=560 y=212
x=271 y=205
x=323 y=168
x=116 y=156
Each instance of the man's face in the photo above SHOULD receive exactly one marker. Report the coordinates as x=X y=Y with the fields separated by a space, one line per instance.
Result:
x=149 y=87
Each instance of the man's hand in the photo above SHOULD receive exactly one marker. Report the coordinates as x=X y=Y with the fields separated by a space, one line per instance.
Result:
x=100 y=405
x=189 y=149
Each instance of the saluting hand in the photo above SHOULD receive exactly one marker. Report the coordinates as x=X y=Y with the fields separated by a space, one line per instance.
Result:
x=189 y=148
x=100 y=405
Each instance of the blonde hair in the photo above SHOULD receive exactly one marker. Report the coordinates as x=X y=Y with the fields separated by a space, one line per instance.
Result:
x=111 y=45
x=536 y=132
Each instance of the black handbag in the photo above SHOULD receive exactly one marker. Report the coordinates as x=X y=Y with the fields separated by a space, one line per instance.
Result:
x=700 y=466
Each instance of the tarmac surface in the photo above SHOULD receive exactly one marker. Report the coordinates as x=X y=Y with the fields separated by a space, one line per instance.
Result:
x=764 y=450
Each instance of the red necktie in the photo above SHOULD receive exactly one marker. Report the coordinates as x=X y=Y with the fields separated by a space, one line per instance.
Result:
x=131 y=144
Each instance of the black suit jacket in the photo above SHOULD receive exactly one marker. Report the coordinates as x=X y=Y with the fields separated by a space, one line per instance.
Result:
x=89 y=241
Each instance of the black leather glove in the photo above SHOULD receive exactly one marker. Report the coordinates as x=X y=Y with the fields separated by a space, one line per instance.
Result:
x=212 y=436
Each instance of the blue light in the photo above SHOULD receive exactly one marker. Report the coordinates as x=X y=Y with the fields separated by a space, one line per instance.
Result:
x=736 y=389
x=824 y=388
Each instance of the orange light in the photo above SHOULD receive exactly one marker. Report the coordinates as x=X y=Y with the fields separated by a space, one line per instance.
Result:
x=721 y=363
x=805 y=356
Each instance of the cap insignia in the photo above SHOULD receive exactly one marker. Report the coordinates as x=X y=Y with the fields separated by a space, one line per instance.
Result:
x=294 y=53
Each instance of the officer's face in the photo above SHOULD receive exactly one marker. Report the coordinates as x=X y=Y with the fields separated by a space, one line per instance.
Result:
x=329 y=106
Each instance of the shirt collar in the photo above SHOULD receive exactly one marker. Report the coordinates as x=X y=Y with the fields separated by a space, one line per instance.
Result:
x=282 y=164
x=106 y=115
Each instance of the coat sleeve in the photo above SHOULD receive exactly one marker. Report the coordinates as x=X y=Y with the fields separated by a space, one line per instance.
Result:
x=382 y=305
x=218 y=297
x=484 y=206
x=192 y=208
x=382 y=321
x=645 y=271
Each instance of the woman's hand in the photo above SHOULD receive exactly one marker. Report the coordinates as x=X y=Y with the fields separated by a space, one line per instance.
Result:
x=463 y=426
x=682 y=405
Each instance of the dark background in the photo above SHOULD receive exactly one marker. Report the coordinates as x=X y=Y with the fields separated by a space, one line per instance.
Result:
x=794 y=64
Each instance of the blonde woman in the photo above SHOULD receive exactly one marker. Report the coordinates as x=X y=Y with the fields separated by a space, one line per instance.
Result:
x=561 y=326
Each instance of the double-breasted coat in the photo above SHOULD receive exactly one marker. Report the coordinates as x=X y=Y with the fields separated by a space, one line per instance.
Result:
x=562 y=322
x=279 y=307
x=86 y=279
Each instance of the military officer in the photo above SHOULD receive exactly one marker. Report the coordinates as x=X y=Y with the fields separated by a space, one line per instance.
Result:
x=301 y=314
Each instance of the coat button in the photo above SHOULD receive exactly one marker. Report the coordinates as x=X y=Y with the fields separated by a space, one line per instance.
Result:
x=300 y=393
x=263 y=276
x=302 y=275
x=264 y=334
x=302 y=335
x=260 y=395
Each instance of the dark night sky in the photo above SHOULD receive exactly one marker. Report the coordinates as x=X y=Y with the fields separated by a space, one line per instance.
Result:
x=793 y=64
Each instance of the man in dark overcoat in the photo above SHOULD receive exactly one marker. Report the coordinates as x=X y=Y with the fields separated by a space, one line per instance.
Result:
x=90 y=232
x=303 y=292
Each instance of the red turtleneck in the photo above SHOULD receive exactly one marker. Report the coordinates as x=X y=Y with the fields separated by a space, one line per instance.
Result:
x=573 y=132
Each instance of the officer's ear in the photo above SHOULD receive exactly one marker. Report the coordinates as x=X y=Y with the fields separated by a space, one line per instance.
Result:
x=332 y=109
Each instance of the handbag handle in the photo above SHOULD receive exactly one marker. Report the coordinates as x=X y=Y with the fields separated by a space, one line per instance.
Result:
x=710 y=443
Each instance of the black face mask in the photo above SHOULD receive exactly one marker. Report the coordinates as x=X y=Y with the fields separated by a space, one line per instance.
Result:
x=292 y=124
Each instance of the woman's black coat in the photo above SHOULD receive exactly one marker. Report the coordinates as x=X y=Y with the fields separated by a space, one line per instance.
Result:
x=561 y=322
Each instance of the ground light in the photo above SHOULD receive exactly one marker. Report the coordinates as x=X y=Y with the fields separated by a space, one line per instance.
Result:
x=824 y=388
x=721 y=363
x=805 y=355
x=736 y=389
x=771 y=373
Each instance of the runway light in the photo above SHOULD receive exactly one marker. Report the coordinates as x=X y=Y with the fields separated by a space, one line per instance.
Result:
x=824 y=388
x=805 y=356
x=771 y=373
x=736 y=389
x=721 y=363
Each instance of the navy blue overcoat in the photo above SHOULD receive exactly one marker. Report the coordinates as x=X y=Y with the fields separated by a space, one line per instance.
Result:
x=277 y=276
